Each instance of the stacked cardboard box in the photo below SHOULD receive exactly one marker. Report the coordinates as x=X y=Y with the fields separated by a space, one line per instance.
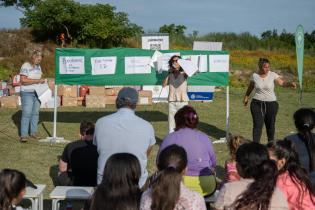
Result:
x=9 y=101
x=95 y=101
x=69 y=101
x=97 y=91
x=145 y=97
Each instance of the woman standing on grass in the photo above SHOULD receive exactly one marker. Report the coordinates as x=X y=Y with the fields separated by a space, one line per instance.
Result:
x=264 y=105
x=31 y=74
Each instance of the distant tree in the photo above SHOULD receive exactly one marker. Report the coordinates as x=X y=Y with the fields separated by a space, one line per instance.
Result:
x=96 y=25
x=21 y=5
x=173 y=29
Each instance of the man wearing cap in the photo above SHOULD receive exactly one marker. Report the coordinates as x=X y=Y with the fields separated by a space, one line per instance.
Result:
x=124 y=131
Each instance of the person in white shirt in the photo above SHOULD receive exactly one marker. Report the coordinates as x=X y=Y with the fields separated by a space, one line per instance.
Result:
x=264 y=105
x=124 y=132
x=31 y=75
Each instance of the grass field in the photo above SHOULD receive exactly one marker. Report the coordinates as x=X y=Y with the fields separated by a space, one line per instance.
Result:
x=39 y=160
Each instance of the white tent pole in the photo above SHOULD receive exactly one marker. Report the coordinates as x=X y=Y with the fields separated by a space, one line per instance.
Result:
x=227 y=125
x=55 y=113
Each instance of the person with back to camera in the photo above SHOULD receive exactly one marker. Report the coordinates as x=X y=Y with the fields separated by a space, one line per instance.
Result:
x=124 y=131
x=30 y=76
x=231 y=173
x=166 y=190
x=177 y=98
x=12 y=188
x=119 y=188
x=293 y=180
x=200 y=173
x=264 y=105
x=304 y=140
x=78 y=162
x=257 y=188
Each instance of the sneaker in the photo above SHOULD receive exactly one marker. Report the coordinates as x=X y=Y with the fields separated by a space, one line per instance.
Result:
x=35 y=136
x=23 y=139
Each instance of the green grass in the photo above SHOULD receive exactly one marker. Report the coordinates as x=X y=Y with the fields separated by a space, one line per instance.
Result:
x=39 y=160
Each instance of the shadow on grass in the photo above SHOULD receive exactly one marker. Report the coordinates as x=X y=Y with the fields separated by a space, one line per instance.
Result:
x=211 y=130
x=77 y=117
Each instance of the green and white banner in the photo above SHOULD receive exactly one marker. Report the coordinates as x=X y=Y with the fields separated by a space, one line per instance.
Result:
x=133 y=66
x=299 y=44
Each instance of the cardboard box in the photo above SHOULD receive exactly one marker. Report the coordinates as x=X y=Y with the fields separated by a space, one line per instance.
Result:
x=9 y=101
x=81 y=101
x=145 y=93
x=67 y=90
x=95 y=101
x=97 y=91
x=145 y=100
x=110 y=99
x=69 y=101
x=112 y=91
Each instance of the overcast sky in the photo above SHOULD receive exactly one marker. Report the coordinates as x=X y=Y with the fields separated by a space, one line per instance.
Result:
x=204 y=16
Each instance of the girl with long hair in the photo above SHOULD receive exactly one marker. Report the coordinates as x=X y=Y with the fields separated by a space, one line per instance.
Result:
x=200 y=175
x=304 y=140
x=257 y=189
x=293 y=179
x=167 y=191
x=12 y=188
x=119 y=188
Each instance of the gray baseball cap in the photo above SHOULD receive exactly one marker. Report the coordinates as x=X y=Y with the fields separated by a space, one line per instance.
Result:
x=128 y=94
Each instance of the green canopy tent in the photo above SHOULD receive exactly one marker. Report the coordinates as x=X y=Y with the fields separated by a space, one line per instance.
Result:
x=130 y=66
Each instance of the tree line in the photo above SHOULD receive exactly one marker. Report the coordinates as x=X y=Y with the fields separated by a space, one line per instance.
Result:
x=101 y=26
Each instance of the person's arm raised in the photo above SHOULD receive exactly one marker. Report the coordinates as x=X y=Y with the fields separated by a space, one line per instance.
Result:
x=284 y=83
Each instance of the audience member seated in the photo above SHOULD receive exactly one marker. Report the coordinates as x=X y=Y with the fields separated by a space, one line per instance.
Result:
x=166 y=188
x=119 y=188
x=292 y=179
x=12 y=188
x=200 y=174
x=257 y=189
x=304 y=140
x=231 y=173
x=78 y=163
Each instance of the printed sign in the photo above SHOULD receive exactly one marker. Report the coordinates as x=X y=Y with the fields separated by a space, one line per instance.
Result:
x=71 y=65
x=138 y=65
x=219 y=63
x=103 y=65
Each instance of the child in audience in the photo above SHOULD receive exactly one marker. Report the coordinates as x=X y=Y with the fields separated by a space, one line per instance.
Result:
x=119 y=188
x=293 y=179
x=12 y=188
x=230 y=165
x=167 y=191
x=257 y=189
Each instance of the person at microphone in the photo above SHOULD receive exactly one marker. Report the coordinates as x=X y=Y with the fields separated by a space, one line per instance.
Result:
x=177 y=81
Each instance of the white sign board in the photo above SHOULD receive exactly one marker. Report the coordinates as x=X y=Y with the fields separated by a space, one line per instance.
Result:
x=219 y=63
x=199 y=60
x=155 y=42
x=103 y=65
x=138 y=65
x=71 y=65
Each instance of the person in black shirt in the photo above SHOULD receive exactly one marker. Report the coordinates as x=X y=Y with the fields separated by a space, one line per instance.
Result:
x=78 y=163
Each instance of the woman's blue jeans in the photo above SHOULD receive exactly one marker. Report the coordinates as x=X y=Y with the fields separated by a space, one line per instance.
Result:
x=30 y=113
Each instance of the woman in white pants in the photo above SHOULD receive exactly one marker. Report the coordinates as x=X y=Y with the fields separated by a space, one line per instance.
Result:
x=177 y=98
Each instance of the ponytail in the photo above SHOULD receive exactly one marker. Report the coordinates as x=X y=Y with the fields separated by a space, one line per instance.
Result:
x=304 y=120
x=166 y=185
x=166 y=189
x=258 y=194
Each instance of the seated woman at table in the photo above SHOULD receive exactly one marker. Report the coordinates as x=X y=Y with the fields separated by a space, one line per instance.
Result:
x=200 y=173
x=12 y=188
x=119 y=188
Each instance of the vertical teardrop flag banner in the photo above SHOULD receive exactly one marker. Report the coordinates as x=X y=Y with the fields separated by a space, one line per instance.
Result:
x=299 y=44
